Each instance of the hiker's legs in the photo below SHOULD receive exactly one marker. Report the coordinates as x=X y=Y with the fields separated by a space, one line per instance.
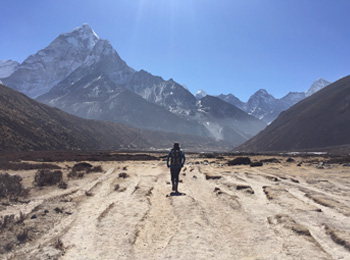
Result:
x=175 y=177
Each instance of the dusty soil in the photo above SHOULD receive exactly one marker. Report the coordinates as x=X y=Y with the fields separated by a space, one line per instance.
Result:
x=276 y=211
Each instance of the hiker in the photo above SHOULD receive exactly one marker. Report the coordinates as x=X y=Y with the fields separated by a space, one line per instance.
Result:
x=177 y=160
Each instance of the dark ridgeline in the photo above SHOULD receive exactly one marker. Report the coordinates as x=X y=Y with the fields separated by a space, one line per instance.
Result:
x=30 y=125
x=319 y=121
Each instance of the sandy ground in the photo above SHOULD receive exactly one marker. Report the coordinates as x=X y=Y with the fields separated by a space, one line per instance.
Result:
x=277 y=211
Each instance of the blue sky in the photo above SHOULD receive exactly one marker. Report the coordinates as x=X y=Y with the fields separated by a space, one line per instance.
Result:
x=222 y=46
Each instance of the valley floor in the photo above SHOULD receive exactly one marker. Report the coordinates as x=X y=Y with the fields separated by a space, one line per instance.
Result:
x=277 y=211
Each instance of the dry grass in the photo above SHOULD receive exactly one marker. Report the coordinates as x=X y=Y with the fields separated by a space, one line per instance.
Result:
x=13 y=232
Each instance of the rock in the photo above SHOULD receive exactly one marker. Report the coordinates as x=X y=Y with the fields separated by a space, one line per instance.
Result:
x=58 y=210
x=270 y=160
x=123 y=175
x=256 y=164
x=320 y=165
x=212 y=177
x=240 y=161
x=245 y=188
x=216 y=189
x=88 y=194
x=290 y=160
x=294 y=180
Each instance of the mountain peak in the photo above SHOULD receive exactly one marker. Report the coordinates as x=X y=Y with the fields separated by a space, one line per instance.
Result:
x=262 y=93
x=316 y=86
x=83 y=36
x=85 y=30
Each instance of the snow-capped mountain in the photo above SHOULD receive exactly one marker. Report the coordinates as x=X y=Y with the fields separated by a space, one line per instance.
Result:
x=232 y=100
x=262 y=105
x=83 y=75
x=266 y=107
x=7 y=67
x=316 y=86
x=168 y=94
x=38 y=73
x=200 y=94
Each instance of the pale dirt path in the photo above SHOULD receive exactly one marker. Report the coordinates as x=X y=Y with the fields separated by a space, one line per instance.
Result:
x=294 y=203
x=240 y=212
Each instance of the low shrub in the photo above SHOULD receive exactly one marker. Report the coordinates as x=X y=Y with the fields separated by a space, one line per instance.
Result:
x=11 y=186
x=47 y=177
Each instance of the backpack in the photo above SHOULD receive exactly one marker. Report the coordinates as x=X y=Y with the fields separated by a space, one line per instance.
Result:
x=176 y=157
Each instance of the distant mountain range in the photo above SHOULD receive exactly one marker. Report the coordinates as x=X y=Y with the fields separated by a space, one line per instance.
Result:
x=7 y=67
x=266 y=107
x=319 y=121
x=30 y=125
x=83 y=75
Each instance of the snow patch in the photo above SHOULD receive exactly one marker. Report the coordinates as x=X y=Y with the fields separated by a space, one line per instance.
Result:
x=317 y=86
x=200 y=94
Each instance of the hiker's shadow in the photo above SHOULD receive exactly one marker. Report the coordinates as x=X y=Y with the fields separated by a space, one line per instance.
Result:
x=175 y=194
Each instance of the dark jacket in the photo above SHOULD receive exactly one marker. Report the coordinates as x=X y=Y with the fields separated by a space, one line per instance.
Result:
x=170 y=159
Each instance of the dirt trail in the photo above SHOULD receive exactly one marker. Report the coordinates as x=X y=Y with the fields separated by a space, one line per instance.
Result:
x=277 y=211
